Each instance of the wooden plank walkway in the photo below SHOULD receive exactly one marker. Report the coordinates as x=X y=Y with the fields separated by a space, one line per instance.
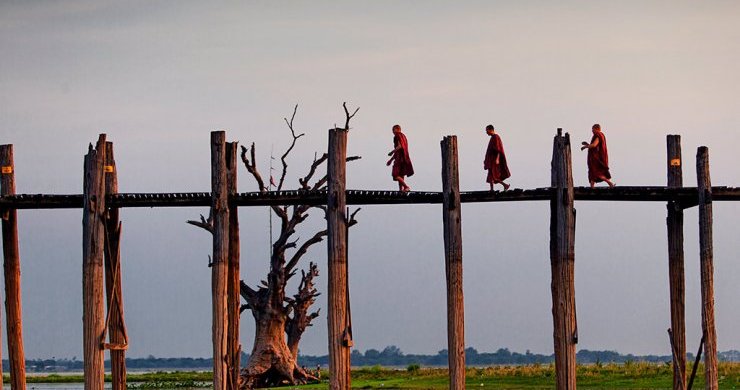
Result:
x=686 y=195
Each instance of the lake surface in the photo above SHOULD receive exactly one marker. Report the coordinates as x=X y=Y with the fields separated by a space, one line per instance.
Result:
x=55 y=386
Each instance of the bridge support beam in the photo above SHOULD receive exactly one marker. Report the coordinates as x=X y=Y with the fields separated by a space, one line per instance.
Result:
x=674 y=223
x=12 y=266
x=452 y=225
x=93 y=238
x=219 y=266
x=562 y=263
x=706 y=263
x=114 y=293
x=340 y=340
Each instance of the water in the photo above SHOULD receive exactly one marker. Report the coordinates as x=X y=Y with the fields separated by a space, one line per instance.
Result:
x=55 y=386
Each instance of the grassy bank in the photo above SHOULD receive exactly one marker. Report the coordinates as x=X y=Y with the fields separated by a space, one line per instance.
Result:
x=606 y=376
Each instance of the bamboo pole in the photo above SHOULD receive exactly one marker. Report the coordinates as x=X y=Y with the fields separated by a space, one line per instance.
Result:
x=706 y=261
x=562 y=262
x=219 y=266
x=12 y=266
x=452 y=224
x=93 y=238
x=113 y=291
x=674 y=223
x=339 y=340
x=233 y=349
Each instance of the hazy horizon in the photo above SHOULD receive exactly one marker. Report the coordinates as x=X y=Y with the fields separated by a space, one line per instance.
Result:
x=157 y=77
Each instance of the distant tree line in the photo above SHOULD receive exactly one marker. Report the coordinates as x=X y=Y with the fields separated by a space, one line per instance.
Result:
x=393 y=356
x=389 y=356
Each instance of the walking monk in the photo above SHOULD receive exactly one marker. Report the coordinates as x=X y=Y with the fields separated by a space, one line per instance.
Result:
x=402 y=166
x=495 y=161
x=598 y=158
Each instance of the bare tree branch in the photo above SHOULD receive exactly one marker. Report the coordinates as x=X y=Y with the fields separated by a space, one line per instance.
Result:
x=204 y=223
x=292 y=145
x=349 y=117
x=252 y=168
x=320 y=183
x=352 y=221
x=318 y=237
x=316 y=163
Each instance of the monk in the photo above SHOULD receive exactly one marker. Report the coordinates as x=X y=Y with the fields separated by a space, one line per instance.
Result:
x=495 y=161
x=598 y=158
x=402 y=166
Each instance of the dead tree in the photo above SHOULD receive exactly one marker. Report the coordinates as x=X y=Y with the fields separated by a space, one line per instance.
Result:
x=281 y=320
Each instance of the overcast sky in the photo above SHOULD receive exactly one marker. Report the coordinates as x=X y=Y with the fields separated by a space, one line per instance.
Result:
x=157 y=77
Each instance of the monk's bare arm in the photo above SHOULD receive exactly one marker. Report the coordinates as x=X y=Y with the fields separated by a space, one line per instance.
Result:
x=397 y=148
x=592 y=145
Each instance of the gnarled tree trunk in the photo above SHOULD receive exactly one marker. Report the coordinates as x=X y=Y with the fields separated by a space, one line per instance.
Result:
x=281 y=320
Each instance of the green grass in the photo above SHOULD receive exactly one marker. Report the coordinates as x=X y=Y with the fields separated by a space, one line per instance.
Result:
x=606 y=376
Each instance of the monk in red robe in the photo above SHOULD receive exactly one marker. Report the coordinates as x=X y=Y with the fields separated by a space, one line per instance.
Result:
x=402 y=166
x=495 y=161
x=598 y=158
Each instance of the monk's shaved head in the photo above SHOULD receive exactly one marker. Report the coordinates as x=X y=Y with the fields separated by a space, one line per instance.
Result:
x=489 y=127
x=396 y=127
x=596 y=126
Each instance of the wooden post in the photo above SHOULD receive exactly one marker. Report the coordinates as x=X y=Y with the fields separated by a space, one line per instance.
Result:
x=113 y=291
x=339 y=340
x=12 y=266
x=219 y=266
x=562 y=262
x=674 y=223
x=93 y=238
x=233 y=349
x=706 y=260
x=452 y=223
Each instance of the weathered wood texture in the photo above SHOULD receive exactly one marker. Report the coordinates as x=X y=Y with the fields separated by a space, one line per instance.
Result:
x=233 y=349
x=562 y=262
x=113 y=291
x=93 y=238
x=676 y=279
x=686 y=196
x=452 y=225
x=339 y=348
x=12 y=267
x=219 y=266
x=706 y=262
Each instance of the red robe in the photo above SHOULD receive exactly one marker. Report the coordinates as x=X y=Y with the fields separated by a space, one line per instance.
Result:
x=598 y=159
x=401 y=161
x=497 y=173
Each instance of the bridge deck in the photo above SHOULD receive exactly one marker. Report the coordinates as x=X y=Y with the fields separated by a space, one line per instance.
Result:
x=687 y=196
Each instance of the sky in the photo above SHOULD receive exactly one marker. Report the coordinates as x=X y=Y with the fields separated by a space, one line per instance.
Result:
x=157 y=77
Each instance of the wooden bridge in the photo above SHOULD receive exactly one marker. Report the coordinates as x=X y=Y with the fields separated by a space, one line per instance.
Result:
x=687 y=196
x=101 y=201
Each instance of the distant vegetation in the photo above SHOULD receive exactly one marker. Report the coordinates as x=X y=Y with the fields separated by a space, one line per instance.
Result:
x=534 y=376
x=537 y=376
x=390 y=356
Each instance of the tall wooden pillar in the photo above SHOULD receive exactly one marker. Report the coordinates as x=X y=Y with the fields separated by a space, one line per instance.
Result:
x=674 y=223
x=219 y=266
x=12 y=266
x=706 y=262
x=233 y=349
x=452 y=223
x=93 y=238
x=114 y=293
x=339 y=340
x=562 y=262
